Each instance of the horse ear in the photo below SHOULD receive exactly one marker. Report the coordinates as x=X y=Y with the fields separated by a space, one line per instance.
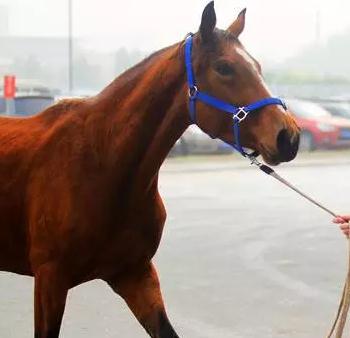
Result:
x=238 y=25
x=208 y=22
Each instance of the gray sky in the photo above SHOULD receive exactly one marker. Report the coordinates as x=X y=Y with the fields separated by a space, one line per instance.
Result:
x=275 y=30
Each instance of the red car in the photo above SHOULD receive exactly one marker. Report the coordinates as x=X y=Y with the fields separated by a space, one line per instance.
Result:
x=319 y=129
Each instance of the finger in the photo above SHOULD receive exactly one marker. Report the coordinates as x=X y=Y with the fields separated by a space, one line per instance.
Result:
x=339 y=220
x=344 y=217
x=345 y=226
x=346 y=231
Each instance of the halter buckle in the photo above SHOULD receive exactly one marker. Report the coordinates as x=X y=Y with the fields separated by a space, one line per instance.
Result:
x=240 y=115
x=192 y=92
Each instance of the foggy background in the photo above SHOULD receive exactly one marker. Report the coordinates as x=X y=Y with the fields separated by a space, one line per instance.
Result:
x=241 y=256
x=302 y=45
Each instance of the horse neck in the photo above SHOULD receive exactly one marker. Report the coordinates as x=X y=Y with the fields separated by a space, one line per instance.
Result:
x=145 y=113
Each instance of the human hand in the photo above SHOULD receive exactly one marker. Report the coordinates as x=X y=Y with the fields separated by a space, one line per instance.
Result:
x=343 y=222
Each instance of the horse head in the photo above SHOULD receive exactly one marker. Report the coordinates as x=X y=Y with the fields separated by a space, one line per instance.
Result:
x=223 y=67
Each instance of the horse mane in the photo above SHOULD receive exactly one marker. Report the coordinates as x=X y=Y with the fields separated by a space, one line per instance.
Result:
x=130 y=76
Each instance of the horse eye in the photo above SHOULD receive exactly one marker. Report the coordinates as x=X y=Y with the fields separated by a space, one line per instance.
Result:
x=224 y=69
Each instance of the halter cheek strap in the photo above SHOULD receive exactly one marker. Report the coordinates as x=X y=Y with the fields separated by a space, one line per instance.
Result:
x=238 y=113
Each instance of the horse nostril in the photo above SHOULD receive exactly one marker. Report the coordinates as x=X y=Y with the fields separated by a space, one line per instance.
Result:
x=287 y=147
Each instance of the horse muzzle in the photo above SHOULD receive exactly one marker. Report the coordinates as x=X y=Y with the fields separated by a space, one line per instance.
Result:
x=287 y=145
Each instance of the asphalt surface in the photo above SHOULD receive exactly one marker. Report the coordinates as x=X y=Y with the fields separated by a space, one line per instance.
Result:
x=241 y=256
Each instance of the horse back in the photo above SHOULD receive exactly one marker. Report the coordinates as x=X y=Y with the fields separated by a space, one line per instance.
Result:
x=22 y=141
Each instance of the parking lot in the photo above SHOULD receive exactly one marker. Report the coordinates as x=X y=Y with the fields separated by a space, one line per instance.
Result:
x=241 y=256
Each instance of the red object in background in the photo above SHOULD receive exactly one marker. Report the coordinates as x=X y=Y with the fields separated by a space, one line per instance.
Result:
x=320 y=138
x=9 y=86
x=319 y=129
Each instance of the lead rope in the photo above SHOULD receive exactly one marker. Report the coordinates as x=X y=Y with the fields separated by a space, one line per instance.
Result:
x=343 y=308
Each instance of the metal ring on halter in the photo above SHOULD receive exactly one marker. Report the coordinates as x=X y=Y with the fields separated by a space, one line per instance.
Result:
x=240 y=115
x=192 y=92
x=254 y=161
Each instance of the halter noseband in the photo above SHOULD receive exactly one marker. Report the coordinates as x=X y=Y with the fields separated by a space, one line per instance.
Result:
x=238 y=113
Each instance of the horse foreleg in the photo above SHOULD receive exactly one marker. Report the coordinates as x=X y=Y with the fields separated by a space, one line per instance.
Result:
x=141 y=291
x=50 y=298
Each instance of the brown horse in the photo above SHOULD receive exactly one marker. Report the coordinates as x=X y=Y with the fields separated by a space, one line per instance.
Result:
x=79 y=182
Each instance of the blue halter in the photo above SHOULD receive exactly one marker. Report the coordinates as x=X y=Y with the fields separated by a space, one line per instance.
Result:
x=238 y=113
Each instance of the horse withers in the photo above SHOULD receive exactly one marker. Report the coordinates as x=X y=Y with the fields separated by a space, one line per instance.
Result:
x=79 y=182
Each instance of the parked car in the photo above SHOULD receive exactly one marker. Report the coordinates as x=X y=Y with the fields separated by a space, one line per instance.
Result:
x=319 y=129
x=338 y=109
x=194 y=141
x=27 y=105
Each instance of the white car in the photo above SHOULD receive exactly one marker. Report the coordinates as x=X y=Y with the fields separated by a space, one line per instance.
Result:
x=194 y=141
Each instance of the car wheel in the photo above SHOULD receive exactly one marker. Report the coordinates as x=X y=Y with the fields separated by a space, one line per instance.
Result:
x=306 y=141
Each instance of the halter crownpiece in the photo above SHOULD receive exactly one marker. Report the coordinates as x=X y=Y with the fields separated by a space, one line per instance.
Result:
x=238 y=113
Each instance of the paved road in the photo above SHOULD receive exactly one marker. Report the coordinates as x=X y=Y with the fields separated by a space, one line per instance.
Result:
x=241 y=256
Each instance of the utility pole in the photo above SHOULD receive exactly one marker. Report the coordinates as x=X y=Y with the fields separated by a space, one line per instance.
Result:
x=318 y=27
x=70 y=47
